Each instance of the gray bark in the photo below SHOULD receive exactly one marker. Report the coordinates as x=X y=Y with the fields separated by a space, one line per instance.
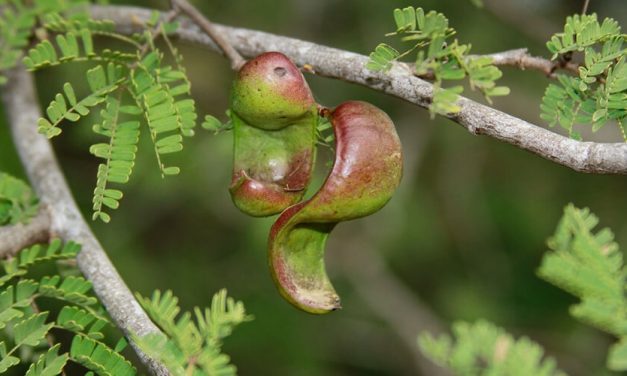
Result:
x=66 y=221
x=478 y=119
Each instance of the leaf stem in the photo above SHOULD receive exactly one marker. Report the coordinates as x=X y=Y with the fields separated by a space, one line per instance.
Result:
x=585 y=7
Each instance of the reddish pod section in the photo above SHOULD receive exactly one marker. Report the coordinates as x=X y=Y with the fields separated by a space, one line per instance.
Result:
x=366 y=172
x=274 y=120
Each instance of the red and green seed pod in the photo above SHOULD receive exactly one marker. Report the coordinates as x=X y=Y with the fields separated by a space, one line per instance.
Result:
x=366 y=172
x=274 y=120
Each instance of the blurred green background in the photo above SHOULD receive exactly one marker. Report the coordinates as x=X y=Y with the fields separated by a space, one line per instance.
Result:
x=461 y=239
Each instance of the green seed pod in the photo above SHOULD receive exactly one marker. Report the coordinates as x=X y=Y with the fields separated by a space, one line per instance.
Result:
x=274 y=120
x=366 y=172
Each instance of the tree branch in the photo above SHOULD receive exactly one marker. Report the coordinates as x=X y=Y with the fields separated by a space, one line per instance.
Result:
x=521 y=58
x=17 y=237
x=589 y=157
x=518 y=58
x=236 y=59
x=66 y=221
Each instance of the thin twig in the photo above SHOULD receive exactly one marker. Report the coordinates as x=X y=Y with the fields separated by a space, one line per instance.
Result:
x=17 y=237
x=589 y=157
x=584 y=10
x=66 y=221
x=49 y=337
x=154 y=33
x=236 y=59
x=520 y=58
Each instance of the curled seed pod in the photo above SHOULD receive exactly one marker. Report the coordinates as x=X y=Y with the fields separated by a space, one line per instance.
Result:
x=274 y=120
x=366 y=172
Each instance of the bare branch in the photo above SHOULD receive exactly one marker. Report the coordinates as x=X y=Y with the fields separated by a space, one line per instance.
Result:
x=518 y=58
x=17 y=237
x=521 y=58
x=590 y=157
x=236 y=59
x=66 y=220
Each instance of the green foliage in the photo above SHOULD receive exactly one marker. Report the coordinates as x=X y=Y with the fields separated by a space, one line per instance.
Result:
x=590 y=266
x=382 y=57
x=80 y=321
x=324 y=130
x=17 y=201
x=100 y=85
x=98 y=357
x=190 y=347
x=445 y=101
x=44 y=54
x=49 y=364
x=118 y=154
x=438 y=57
x=599 y=93
x=581 y=31
x=136 y=87
x=17 y=21
x=25 y=327
x=73 y=46
x=32 y=330
x=132 y=82
x=586 y=264
x=165 y=119
x=58 y=24
x=36 y=254
x=485 y=349
x=71 y=289
x=11 y=301
x=213 y=124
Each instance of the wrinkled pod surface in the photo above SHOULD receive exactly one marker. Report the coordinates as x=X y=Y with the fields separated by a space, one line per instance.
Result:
x=274 y=120
x=365 y=174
